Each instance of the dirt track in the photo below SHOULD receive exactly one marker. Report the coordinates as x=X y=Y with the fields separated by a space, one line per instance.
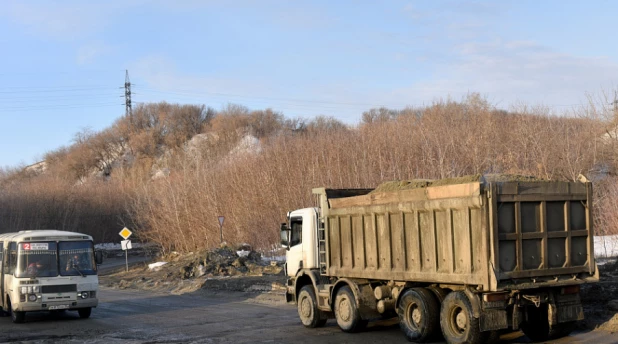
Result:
x=214 y=310
x=133 y=316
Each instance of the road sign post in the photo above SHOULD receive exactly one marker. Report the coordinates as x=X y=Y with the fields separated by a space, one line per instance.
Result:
x=125 y=233
x=221 y=219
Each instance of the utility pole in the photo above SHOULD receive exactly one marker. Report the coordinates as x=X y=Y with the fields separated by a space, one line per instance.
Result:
x=127 y=97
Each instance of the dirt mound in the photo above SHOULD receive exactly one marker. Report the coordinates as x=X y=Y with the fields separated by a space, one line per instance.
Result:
x=190 y=272
x=423 y=183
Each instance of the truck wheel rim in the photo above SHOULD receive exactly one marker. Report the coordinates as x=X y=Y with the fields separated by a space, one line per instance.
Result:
x=344 y=310
x=415 y=314
x=459 y=319
x=305 y=307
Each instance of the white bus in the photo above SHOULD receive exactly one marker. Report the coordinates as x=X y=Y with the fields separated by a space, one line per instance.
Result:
x=48 y=270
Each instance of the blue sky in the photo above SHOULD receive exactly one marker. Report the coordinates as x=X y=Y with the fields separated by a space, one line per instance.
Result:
x=63 y=63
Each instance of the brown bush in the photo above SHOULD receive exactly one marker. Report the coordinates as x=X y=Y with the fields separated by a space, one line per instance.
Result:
x=255 y=190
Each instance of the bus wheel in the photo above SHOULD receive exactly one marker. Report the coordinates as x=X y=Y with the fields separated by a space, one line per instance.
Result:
x=16 y=317
x=84 y=313
x=419 y=315
x=457 y=321
x=346 y=311
x=308 y=310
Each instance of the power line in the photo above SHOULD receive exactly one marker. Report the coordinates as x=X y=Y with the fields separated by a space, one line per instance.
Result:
x=300 y=103
x=199 y=93
x=54 y=99
x=57 y=90
x=63 y=106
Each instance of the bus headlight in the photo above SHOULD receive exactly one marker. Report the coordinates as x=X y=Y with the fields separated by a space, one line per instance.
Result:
x=31 y=297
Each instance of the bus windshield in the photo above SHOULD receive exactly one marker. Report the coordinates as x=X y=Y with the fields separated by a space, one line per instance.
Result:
x=76 y=258
x=37 y=259
x=50 y=259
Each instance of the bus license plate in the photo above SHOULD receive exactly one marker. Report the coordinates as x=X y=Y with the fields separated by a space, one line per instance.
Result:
x=58 y=307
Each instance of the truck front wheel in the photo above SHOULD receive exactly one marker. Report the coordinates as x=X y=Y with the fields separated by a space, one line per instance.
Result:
x=346 y=311
x=457 y=321
x=419 y=315
x=308 y=310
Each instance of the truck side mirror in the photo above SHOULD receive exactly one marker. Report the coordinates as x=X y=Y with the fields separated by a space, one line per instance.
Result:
x=285 y=236
x=98 y=257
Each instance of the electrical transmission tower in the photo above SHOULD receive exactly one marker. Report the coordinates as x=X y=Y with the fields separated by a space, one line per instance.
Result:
x=127 y=95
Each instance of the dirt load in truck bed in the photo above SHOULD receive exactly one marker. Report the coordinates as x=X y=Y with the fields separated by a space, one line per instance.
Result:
x=423 y=183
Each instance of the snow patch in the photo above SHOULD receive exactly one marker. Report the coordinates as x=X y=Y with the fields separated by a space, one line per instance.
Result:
x=606 y=246
x=156 y=266
x=114 y=246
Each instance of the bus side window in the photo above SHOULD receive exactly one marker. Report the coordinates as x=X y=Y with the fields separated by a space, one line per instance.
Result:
x=12 y=259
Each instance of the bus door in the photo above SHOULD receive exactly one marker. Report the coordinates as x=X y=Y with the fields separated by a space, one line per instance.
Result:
x=2 y=273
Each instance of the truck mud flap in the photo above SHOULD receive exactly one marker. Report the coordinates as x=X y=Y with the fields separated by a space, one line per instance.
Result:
x=495 y=319
x=564 y=313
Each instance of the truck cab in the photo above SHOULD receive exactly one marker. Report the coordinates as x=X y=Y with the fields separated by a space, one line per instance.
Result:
x=299 y=235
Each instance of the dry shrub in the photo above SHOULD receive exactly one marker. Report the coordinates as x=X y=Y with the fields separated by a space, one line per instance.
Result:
x=46 y=202
x=254 y=190
x=447 y=139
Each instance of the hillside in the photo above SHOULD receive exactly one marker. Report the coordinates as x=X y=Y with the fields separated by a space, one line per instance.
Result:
x=168 y=171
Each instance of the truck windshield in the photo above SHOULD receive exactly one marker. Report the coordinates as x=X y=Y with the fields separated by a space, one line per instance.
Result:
x=37 y=259
x=76 y=258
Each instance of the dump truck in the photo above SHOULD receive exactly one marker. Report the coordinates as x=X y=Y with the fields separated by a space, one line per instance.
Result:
x=466 y=259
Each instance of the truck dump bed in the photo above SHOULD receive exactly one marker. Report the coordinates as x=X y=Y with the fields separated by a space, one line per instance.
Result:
x=495 y=235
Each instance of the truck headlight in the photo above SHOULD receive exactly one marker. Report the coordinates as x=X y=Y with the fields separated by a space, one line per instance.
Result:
x=84 y=294
x=31 y=297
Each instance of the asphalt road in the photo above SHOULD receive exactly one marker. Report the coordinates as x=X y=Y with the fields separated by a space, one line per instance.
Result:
x=131 y=316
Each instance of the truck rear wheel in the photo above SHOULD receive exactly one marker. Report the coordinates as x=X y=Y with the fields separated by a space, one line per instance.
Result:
x=308 y=310
x=346 y=311
x=537 y=326
x=419 y=315
x=457 y=321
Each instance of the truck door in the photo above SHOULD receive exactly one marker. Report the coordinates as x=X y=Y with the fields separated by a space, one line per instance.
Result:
x=295 y=254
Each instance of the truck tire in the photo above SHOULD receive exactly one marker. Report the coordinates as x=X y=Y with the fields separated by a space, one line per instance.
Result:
x=346 y=311
x=419 y=315
x=308 y=311
x=457 y=321
x=538 y=329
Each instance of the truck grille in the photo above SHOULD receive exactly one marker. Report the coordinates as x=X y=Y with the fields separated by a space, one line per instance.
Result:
x=63 y=288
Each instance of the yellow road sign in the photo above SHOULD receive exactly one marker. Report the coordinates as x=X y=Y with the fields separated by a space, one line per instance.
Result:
x=125 y=233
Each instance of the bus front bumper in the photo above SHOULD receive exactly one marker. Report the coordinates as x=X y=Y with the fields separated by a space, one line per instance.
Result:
x=56 y=305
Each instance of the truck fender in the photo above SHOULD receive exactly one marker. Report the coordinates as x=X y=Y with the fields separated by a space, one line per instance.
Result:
x=363 y=294
x=475 y=301
x=303 y=278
